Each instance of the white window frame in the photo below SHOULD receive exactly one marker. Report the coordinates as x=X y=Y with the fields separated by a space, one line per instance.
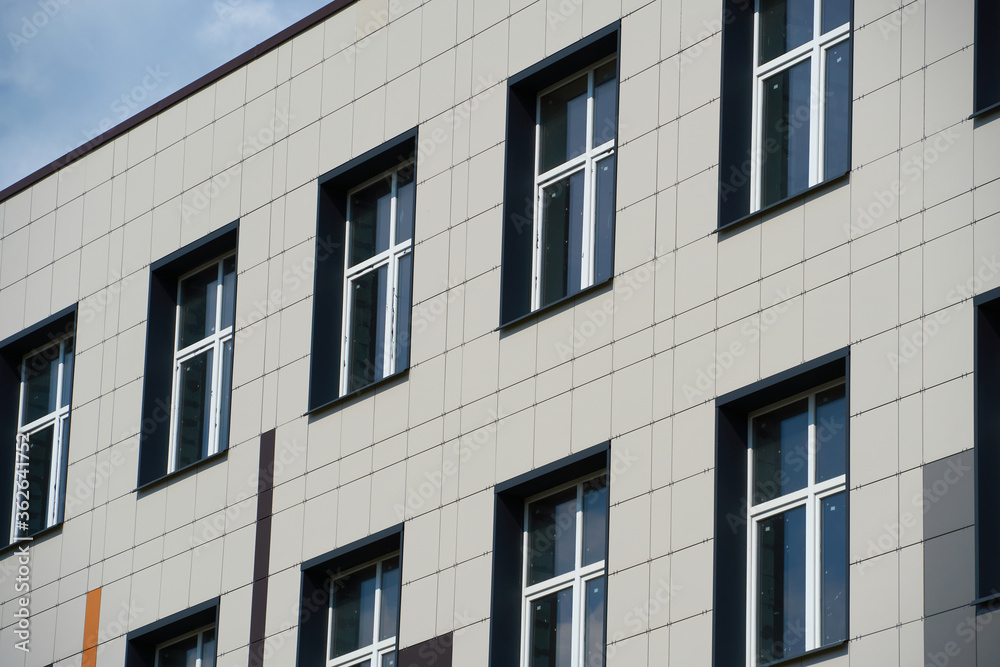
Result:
x=810 y=497
x=56 y=419
x=378 y=648
x=586 y=161
x=215 y=342
x=576 y=579
x=201 y=644
x=389 y=258
x=816 y=50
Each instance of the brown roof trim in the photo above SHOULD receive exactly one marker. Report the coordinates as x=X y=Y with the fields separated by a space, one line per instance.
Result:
x=172 y=99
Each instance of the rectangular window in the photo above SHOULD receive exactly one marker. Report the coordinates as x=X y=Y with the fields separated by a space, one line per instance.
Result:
x=564 y=575
x=785 y=101
x=188 y=375
x=36 y=386
x=196 y=649
x=364 y=612
x=781 y=510
x=987 y=449
x=987 y=84
x=574 y=183
x=560 y=175
x=42 y=438
x=362 y=295
x=203 y=362
x=798 y=525
x=377 y=275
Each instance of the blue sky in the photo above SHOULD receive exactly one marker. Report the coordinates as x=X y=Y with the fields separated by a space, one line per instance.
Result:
x=69 y=67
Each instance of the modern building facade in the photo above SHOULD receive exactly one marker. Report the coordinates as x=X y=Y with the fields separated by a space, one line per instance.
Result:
x=552 y=333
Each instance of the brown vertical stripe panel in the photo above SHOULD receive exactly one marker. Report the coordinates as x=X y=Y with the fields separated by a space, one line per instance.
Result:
x=91 y=628
x=262 y=549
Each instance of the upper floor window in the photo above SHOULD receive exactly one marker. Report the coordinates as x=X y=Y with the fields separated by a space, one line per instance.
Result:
x=564 y=561
x=797 y=485
x=195 y=649
x=203 y=362
x=987 y=74
x=377 y=276
x=574 y=183
x=42 y=438
x=560 y=176
x=786 y=96
x=364 y=613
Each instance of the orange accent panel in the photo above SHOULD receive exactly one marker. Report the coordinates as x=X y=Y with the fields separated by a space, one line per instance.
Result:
x=91 y=628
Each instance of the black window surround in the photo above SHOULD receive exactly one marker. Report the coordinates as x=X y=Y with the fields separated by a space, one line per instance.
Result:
x=328 y=288
x=141 y=643
x=315 y=599
x=508 y=532
x=154 y=434
x=729 y=621
x=519 y=167
x=736 y=122
x=986 y=91
x=12 y=352
x=987 y=450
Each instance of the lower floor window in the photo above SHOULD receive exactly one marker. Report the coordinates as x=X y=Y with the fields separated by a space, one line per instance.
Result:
x=196 y=649
x=364 y=612
x=797 y=542
x=565 y=542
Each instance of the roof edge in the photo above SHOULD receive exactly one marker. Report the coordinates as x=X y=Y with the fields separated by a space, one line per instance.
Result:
x=218 y=73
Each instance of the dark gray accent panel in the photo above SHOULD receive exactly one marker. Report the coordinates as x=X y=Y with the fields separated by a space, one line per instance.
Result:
x=948 y=495
x=949 y=571
x=950 y=639
x=431 y=653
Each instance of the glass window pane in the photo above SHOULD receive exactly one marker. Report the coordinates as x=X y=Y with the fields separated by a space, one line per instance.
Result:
x=838 y=100
x=389 y=660
x=594 y=623
x=781 y=451
x=353 y=608
x=831 y=429
x=564 y=124
x=225 y=396
x=41 y=377
x=179 y=654
x=194 y=418
x=562 y=237
x=208 y=648
x=197 y=306
x=35 y=499
x=67 y=381
x=833 y=582
x=367 y=329
x=785 y=148
x=403 y=308
x=370 y=210
x=604 y=222
x=389 y=612
x=835 y=13
x=552 y=629
x=595 y=519
x=228 y=291
x=784 y=25
x=552 y=536
x=60 y=505
x=605 y=103
x=781 y=585
x=406 y=190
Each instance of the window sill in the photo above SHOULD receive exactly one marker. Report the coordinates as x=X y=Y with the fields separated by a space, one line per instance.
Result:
x=357 y=393
x=985 y=111
x=836 y=180
x=181 y=472
x=40 y=535
x=807 y=654
x=584 y=293
x=985 y=600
